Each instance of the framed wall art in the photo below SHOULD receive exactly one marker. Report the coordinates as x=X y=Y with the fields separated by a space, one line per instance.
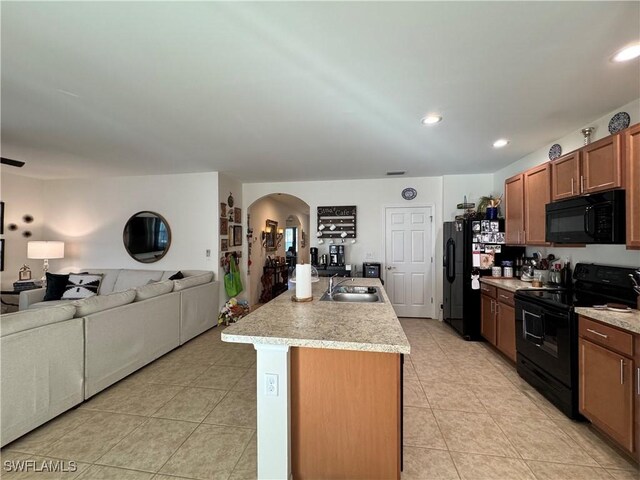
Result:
x=1 y=218
x=231 y=235
x=224 y=245
x=223 y=209
x=237 y=215
x=224 y=226
x=2 y=255
x=237 y=235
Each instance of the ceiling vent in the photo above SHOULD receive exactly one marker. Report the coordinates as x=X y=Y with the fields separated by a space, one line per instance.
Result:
x=399 y=172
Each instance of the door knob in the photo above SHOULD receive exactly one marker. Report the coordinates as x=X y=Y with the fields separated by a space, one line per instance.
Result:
x=389 y=268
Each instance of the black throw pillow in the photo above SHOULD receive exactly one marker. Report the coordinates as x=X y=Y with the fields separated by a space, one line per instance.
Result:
x=176 y=276
x=56 y=285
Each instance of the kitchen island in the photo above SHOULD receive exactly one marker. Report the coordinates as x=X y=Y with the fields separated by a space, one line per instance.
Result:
x=328 y=386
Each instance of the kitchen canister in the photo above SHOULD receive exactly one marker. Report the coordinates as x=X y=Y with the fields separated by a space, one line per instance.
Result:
x=507 y=269
x=496 y=271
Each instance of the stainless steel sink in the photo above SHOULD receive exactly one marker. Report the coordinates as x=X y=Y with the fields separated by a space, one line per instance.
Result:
x=354 y=294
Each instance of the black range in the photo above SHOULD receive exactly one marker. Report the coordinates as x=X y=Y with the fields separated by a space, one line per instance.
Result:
x=547 y=329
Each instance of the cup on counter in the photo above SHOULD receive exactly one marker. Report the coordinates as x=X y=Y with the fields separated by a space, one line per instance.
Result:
x=496 y=271
x=508 y=272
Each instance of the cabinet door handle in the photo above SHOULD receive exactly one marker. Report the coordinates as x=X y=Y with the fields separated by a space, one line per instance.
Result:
x=492 y=306
x=518 y=236
x=597 y=333
x=581 y=184
x=571 y=185
x=504 y=296
x=621 y=372
x=638 y=380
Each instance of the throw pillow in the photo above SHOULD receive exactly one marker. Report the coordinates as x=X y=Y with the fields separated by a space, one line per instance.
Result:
x=82 y=286
x=56 y=285
x=176 y=276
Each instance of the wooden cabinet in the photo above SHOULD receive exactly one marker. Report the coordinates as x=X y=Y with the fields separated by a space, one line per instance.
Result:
x=601 y=165
x=498 y=319
x=488 y=318
x=537 y=193
x=609 y=380
x=632 y=144
x=565 y=176
x=514 y=210
x=596 y=167
x=637 y=396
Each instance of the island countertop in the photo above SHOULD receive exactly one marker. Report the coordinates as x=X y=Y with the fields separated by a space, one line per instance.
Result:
x=372 y=327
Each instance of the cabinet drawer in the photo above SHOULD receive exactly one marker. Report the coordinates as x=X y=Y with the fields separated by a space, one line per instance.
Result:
x=488 y=290
x=505 y=296
x=606 y=336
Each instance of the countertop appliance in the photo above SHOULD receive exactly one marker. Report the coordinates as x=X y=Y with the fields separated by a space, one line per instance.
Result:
x=313 y=252
x=336 y=255
x=461 y=301
x=371 y=270
x=547 y=329
x=598 y=218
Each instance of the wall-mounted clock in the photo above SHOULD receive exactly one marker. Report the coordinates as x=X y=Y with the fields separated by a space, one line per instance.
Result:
x=409 y=193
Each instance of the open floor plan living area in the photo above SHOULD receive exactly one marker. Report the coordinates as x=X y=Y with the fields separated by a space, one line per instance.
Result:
x=320 y=240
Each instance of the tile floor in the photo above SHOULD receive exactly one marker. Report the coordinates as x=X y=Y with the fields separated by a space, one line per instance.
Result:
x=192 y=414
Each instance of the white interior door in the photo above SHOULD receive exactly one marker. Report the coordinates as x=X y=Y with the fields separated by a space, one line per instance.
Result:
x=409 y=260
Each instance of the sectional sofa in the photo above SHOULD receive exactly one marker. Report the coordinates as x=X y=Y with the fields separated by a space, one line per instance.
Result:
x=55 y=355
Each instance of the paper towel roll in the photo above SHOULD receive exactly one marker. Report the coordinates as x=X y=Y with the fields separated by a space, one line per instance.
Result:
x=303 y=281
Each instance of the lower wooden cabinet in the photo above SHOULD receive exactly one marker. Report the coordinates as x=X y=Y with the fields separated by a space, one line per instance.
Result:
x=488 y=318
x=506 y=330
x=606 y=391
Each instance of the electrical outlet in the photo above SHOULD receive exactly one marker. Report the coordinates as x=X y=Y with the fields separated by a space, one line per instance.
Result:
x=271 y=384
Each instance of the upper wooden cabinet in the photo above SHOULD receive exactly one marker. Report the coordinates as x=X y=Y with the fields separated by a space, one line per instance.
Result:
x=565 y=176
x=632 y=143
x=596 y=167
x=601 y=165
x=537 y=193
x=514 y=210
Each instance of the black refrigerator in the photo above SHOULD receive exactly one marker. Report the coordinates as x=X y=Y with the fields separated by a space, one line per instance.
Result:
x=468 y=244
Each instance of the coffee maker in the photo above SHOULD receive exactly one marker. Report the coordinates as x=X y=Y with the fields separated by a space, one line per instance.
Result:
x=336 y=255
x=313 y=251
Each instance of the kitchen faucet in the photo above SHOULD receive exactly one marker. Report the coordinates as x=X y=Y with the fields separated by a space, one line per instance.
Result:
x=332 y=287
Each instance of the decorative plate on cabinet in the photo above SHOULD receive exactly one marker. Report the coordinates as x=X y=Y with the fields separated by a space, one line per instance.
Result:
x=619 y=121
x=409 y=193
x=555 y=151
x=230 y=200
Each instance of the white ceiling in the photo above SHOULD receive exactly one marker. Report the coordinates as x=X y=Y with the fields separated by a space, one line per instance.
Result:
x=298 y=91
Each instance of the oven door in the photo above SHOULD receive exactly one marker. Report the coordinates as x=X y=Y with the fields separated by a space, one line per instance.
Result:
x=544 y=337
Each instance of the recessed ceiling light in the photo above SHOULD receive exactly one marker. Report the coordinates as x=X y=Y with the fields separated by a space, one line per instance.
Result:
x=502 y=142
x=431 y=119
x=627 y=53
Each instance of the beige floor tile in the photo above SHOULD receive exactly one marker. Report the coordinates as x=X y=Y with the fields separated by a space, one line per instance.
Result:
x=191 y=404
x=171 y=373
x=247 y=466
x=594 y=444
x=420 y=429
x=44 y=468
x=237 y=408
x=95 y=437
x=623 y=474
x=452 y=396
x=12 y=463
x=134 y=399
x=473 y=433
x=247 y=382
x=558 y=471
x=438 y=373
x=149 y=446
x=484 y=376
x=414 y=394
x=237 y=357
x=485 y=467
x=39 y=441
x=506 y=400
x=219 y=377
x=211 y=452
x=427 y=464
x=541 y=439
x=100 y=472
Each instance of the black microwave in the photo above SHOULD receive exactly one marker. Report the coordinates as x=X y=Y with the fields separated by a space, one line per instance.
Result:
x=598 y=218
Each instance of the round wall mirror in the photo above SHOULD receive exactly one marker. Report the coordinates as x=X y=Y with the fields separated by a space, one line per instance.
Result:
x=147 y=237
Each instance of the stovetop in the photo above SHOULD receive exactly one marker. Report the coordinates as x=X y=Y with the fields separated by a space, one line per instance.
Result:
x=594 y=285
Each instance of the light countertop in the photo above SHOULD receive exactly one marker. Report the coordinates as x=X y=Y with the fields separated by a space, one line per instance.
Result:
x=627 y=321
x=511 y=284
x=372 y=327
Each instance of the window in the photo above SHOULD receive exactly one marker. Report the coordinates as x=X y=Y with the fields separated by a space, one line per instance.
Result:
x=290 y=239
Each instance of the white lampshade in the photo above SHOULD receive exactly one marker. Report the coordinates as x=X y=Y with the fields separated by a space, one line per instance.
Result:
x=45 y=250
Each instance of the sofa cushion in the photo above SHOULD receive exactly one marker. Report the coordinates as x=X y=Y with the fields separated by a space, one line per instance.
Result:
x=51 y=303
x=153 y=290
x=82 y=285
x=192 y=281
x=135 y=278
x=56 y=285
x=97 y=303
x=28 y=319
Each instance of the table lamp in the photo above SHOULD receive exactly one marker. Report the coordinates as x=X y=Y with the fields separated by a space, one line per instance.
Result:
x=45 y=250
